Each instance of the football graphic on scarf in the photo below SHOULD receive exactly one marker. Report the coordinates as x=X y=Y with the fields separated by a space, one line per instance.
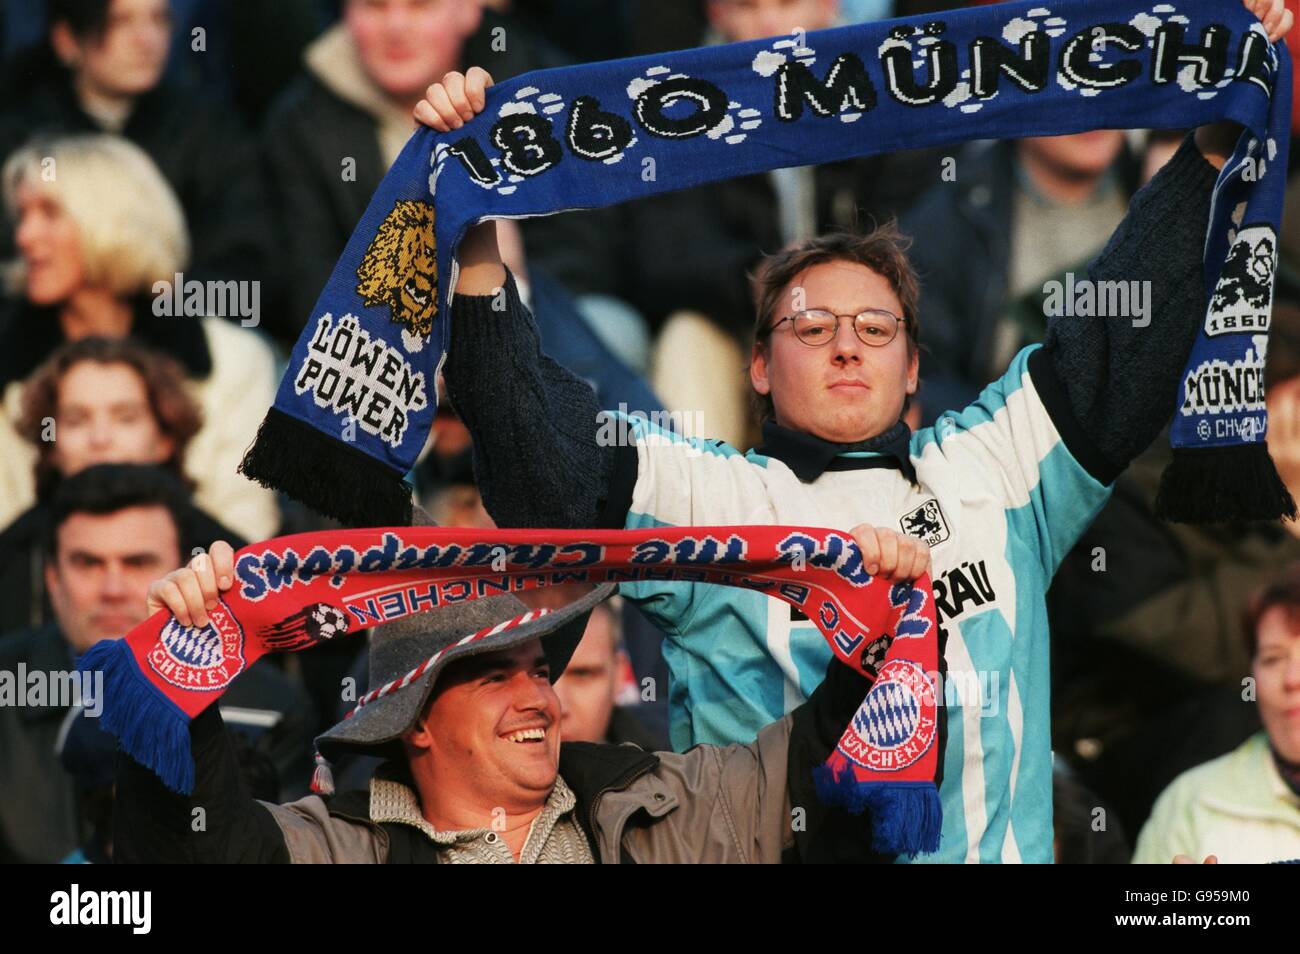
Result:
x=874 y=654
x=317 y=623
x=324 y=622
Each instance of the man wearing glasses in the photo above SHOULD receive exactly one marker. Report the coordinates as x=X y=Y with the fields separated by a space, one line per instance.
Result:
x=1000 y=490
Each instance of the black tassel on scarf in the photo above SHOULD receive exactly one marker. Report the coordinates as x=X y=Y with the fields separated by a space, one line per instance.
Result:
x=1223 y=485
x=329 y=476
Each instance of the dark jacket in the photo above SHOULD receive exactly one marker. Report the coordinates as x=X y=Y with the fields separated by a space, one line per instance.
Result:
x=963 y=255
x=202 y=150
x=711 y=804
x=1174 y=593
x=39 y=812
x=1148 y=654
x=40 y=818
x=31 y=333
x=309 y=132
x=628 y=724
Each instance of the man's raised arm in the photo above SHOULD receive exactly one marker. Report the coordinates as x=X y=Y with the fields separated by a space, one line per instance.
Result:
x=1119 y=376
x=534 y=424
x=1116 y=380
x=219 y=823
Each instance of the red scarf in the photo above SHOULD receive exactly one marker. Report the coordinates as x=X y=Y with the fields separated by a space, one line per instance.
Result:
x=294 y=592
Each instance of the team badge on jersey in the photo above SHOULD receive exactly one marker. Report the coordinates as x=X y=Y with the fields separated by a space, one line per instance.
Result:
x=203 y=658
x=896 y=723
x=926 y=523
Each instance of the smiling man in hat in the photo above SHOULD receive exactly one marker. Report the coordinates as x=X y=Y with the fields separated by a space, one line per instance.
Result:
x=476 y=770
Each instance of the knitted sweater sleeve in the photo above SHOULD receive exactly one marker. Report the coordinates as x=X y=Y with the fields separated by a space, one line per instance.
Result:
x=537 y=460
x=1119 y=379
x=153 y=825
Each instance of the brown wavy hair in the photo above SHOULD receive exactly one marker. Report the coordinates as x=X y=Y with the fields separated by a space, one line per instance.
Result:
x=177 y=414
x=883 y=250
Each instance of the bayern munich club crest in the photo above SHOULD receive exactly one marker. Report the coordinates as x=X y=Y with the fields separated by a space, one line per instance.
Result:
x=205 y=658
x=896 y=723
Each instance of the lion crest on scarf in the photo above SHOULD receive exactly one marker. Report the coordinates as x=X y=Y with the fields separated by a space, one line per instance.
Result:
x=400 y=269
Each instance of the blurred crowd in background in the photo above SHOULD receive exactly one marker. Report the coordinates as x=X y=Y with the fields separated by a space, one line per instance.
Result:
x=226 y=141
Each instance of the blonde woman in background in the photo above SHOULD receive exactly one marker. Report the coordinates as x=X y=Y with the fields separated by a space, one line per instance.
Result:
x=97 y=229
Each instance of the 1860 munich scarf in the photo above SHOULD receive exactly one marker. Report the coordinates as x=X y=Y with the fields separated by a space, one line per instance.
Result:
x=355 y=405
x=294 y=592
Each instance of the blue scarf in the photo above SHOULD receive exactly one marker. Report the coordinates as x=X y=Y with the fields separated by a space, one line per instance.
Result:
x=355 y=405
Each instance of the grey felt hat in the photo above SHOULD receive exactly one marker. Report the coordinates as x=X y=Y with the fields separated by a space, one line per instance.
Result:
x=399 y=647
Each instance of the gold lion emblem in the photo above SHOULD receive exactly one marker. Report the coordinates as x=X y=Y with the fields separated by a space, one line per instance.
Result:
x=400 y=268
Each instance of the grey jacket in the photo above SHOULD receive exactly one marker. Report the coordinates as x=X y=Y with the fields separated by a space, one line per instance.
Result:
x=752 y=803
x=710 y=804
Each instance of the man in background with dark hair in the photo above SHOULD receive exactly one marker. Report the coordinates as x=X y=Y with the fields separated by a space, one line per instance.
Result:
x=114 y=528
x=590 y=689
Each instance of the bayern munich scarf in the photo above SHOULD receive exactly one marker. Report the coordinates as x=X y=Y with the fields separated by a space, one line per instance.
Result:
x=356 y=402
x=295 y=592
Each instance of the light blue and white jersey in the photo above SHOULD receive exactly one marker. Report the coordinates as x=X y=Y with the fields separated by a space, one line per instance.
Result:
x=1000 y=499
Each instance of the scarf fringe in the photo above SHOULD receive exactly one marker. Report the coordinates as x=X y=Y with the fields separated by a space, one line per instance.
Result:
x=326 y=474
x=1223 y=485
x=906 y=817
x=148 y=727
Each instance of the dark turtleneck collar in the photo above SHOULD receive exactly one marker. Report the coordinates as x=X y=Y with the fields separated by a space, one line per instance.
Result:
x=809 y=456
x=32 y=333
